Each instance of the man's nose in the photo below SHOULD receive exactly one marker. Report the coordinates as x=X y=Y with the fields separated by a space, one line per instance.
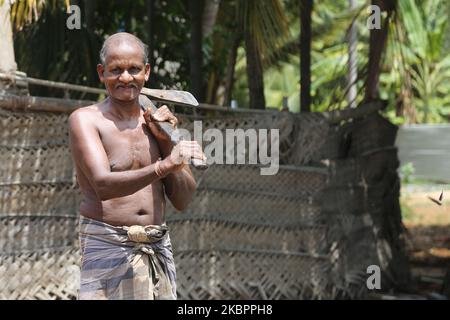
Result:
x=125 y=76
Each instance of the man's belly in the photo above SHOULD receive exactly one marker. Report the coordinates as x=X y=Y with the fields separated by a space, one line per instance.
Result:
x=144 y=207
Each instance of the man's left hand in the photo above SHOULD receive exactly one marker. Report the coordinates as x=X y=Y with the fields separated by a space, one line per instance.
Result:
x=163 y=114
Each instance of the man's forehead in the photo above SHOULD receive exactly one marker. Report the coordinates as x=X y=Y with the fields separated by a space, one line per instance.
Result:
x=124 y=53
x=120 y=62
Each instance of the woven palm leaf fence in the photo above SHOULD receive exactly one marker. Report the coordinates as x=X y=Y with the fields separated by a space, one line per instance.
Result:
x=308 y=232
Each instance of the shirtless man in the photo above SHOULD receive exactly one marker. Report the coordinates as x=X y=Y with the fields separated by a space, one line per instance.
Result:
x=125 y=167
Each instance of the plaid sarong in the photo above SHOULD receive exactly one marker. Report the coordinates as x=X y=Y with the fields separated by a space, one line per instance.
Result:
x=114 y=267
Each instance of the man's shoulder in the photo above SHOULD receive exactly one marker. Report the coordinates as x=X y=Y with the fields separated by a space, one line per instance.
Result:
x=86 y=114
x=88 y=111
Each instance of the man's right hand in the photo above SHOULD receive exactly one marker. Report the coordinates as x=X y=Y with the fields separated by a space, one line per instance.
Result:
x=181 y=155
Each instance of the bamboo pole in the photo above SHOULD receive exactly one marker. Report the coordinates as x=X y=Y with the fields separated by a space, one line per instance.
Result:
x=365 y=109
x=51 y=84
x=26 y=103
x=69 y=105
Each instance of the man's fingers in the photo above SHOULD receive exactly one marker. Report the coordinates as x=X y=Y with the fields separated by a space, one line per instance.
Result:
x=148 y=116
x=190 y=146
x=193 y=151
x=164 y=108
x=199 y=155
x=189 y=143
x=164 y=114
x=173 y=121
x=184 y=151
x=159 y=116
x=193 y=146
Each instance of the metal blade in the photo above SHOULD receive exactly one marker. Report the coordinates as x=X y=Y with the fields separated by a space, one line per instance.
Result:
x=171 y=96
x=168 y=129
x=146 y=103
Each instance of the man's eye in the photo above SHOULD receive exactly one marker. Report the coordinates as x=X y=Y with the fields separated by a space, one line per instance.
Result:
x=116 y=71
x=134 y=70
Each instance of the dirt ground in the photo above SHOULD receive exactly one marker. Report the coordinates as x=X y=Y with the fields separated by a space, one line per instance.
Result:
x=428 y=240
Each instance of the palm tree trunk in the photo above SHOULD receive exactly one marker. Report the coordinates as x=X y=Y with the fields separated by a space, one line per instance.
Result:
x=352 y=61
x=89 y=13
x=405 y=104
x=229 y=77
x=254 y=72
x=305 y=54
x=377 y=42
x=150 y=37
x=376 y=47
x=211 y=9
x=195 y=48
x=7 y=59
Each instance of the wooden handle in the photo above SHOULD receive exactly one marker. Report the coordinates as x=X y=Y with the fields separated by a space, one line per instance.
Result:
x=169 y=129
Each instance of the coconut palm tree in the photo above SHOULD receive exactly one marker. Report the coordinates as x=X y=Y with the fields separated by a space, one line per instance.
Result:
x=306 y=8
x=259 y=27
x=18 y=14
x=265 y=29
x=418 y=51
x=7 y=60
x=195 y=48
x=331 y=21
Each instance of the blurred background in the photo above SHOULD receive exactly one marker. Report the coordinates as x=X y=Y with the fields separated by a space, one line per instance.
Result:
x=203 y=46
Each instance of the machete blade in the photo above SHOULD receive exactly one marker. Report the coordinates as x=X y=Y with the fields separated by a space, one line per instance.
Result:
x=171 y=96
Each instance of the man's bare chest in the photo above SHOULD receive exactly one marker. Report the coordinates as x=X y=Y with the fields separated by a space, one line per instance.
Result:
x=129 y=148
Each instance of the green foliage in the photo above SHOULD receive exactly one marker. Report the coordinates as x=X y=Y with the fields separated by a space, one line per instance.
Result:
x=267 y=23
x=279 y=83
x=420 y=64
x=407 y=173
x=330 y=21
x=414 y=78
x=407 y=211
x=415 y=64
x=47 y=49
x=66 y=56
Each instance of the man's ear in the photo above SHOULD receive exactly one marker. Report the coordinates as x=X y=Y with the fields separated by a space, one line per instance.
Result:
x=100 y=70
x=147 y=71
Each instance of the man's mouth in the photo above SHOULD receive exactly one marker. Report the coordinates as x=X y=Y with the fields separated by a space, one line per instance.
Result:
x=130 y=86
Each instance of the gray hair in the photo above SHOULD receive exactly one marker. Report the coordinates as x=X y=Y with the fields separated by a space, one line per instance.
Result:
x=120 y=38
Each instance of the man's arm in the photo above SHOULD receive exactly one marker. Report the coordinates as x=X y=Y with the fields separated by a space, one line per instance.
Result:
x=180 y=188
x=89 y=154
x=180 y=185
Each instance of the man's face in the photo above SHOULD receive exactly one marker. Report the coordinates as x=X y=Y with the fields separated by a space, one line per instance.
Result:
x=124 y=73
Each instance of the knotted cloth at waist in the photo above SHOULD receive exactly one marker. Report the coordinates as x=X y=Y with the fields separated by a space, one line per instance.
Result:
x=126 y=262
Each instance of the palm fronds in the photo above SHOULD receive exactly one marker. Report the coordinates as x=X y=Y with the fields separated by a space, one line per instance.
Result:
x=417 y=54
x=25 y=12
x=267 y=23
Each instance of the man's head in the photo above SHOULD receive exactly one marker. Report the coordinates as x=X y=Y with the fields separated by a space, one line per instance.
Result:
x=124 y=66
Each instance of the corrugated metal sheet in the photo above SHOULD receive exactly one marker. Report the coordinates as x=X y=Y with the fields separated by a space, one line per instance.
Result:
x=427 y=147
